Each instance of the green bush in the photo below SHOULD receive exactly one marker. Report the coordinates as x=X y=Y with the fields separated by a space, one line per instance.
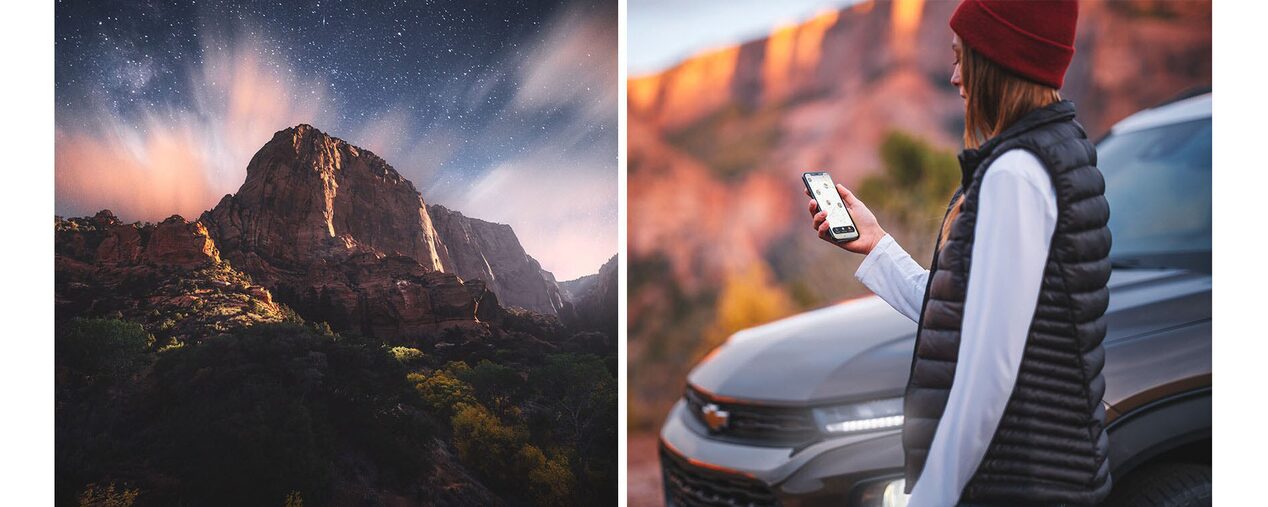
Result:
x=262 y=416
x=443 y=391
x=914 y=185
x=550 y=480
x=487 y=445
x=101 y=349
x=406 y=355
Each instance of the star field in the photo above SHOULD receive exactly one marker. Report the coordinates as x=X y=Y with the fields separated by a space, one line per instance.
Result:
x=462 y=97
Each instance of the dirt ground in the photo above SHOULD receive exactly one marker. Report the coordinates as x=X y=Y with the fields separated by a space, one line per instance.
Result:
x=644 y=471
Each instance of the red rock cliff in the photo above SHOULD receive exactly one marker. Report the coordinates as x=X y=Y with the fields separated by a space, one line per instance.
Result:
x=306 y=192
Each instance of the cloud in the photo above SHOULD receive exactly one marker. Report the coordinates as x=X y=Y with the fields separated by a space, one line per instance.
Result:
x=556 y=186
x=562 y=209
x=568 y=178
x=181 y=160
x=574 y=66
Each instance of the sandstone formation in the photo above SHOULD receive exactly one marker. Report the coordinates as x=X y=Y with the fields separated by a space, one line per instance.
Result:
x=476 y=249
x=593 y=299
x=325 y=228
x=341 y=237
x=306 y=193
x=168 y=277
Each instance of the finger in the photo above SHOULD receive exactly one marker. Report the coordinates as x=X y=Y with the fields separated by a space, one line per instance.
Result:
x=819 y=219
x=847 y=196
x=814 y=207
x=823 y=228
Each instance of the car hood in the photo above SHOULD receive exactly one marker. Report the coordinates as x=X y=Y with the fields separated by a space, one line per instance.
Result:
x=862 y=348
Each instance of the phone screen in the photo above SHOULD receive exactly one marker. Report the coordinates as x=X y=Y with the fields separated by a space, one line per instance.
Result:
x=825 y=192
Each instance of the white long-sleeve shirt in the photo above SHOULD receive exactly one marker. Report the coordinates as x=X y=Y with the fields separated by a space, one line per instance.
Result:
x=1017 y=213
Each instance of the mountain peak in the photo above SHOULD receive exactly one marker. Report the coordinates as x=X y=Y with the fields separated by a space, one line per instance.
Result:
x=309 y=195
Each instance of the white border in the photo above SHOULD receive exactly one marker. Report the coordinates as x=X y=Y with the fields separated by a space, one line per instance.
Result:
x=623 y=262
x=26 y=208
x=1240 y=342
x=1241 y=180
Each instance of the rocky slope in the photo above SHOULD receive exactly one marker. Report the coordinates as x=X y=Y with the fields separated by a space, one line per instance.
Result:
x=592 y=300
x=169 y=277
x=573 y=289
x=336 y=234
x=475 y=249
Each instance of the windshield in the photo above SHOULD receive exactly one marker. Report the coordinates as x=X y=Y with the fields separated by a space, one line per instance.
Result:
x=1158 y=183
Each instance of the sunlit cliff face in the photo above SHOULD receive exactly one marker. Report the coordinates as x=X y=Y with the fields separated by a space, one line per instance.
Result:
x=793 y=54
x=789 y=62
x=700 y=83
x=904 y=20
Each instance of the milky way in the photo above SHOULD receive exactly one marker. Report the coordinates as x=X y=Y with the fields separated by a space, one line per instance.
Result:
x=503 y=110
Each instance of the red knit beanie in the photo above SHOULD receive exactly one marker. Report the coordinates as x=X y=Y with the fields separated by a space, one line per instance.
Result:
x=1034 y=39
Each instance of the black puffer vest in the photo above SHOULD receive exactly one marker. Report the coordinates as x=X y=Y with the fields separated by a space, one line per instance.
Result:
x=1050 y=446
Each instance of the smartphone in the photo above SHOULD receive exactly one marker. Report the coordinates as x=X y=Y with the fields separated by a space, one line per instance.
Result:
x=840 y=223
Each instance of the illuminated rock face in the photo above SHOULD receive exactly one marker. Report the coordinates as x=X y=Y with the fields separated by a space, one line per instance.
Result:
x=167 y=276
x=341 y=237
x=306 y=192
x=475 y=249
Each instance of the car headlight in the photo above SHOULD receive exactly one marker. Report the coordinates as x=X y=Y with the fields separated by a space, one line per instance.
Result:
x=860 y=417
x=893 y=495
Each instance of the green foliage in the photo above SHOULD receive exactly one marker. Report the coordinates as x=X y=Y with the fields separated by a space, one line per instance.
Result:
x=101 y=349
x=550 y=480
x=487 y=445
x=108 y=496
x=495 y=385
x=914 y=185
x=579 y=391
x=263 y=412
x=443 y=391
x=406 y=356
x=501 y=454
x=259 y=416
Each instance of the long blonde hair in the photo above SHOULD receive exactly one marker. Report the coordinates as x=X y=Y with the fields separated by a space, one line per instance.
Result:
x=996 y=98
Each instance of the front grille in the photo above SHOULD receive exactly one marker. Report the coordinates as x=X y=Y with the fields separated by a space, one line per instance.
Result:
x=687 y=485
x=756 y=423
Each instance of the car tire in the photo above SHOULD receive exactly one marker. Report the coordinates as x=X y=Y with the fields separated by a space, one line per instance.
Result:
x=1165 y=485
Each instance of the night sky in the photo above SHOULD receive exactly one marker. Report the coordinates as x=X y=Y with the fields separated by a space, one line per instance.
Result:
x=503 y=110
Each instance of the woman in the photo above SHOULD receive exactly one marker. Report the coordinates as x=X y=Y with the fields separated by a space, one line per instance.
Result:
x=1003 y=405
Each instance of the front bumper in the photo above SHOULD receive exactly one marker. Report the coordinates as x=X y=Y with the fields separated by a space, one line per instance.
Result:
x=834 y=471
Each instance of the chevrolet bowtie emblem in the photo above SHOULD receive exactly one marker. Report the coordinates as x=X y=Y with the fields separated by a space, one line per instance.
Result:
x=714 y=417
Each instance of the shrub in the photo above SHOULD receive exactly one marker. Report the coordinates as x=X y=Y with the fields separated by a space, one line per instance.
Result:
x=486 y=445
x=406 y=355
x=101 y=349
x=550 y=480
x=109 y=496
x=264 y=413
x=442 y=391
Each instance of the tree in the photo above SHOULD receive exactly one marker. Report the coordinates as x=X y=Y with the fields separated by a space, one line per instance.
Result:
x=106 y=350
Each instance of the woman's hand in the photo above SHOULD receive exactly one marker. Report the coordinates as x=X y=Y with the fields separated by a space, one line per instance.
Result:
x=870 y=231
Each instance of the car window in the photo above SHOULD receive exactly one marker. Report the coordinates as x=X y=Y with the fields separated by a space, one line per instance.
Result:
x=1158 y=183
